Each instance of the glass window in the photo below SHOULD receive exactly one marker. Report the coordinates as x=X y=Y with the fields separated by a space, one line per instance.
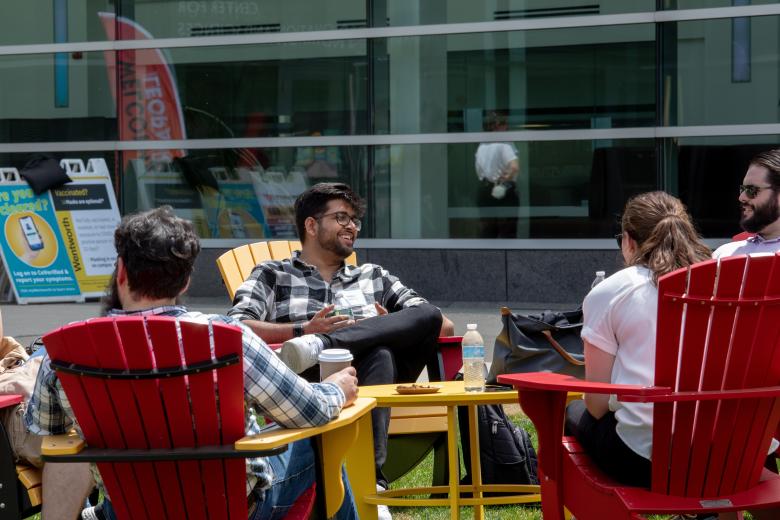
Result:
x=566 y=189
x=53 y=21
x=186 y=18
x=238 y=192
x=704 y=4
x=721 y=72
x=48 y=97
x=706 y=173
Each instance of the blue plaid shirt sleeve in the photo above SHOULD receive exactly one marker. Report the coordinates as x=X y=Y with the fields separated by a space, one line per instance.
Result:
x=45 y=414
x=278 y=392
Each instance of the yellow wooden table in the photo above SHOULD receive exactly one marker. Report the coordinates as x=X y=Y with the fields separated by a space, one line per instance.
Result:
x=452 y=395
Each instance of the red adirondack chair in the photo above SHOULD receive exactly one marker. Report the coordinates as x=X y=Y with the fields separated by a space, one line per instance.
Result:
x=717 y=402
x=161 y=410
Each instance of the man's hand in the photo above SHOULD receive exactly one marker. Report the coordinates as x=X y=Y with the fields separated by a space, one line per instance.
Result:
x=324 y=324
x=346 y=379
x=381 y=311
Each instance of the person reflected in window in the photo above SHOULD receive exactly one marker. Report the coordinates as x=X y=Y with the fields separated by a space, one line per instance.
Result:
x=497 y=168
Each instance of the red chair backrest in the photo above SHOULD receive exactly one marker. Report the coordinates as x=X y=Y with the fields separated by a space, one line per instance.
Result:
x=203 y=409
x=718 y=329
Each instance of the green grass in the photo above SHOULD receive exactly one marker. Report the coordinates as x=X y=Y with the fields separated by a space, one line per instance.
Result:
x=421 y=477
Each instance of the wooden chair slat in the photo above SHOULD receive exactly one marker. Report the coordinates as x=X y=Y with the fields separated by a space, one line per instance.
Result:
x=260 y=252
x=138 y=355
x=758 y=370
x=166 y=350
x=720 y=340
x=669 y=326
x=280 y=249
x=111 y=355
x=697 y=318
x=203 y=395
x=227 y=340
x=747 y=322
x=231 y=274
x=244 y=260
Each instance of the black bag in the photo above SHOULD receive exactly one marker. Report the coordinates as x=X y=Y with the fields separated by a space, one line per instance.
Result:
x=547 y=342
x=43 y=172
x=506 y=454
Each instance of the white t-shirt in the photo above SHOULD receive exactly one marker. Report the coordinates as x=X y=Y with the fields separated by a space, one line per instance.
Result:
x=492 y=159
x=755 y=244
x=620 y=317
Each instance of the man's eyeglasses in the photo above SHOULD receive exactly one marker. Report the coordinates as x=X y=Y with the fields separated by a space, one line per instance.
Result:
x=343 y=219
x=619 y=240
x=751 y=191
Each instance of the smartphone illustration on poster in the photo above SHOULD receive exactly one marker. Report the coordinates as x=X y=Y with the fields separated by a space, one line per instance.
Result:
x=31 y=233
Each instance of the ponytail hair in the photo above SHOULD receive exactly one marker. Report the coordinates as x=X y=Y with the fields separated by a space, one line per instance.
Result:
x=665 y=236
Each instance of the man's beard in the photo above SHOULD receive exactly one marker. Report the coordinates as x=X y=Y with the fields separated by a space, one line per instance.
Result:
x=763 y=215
x=334 y=245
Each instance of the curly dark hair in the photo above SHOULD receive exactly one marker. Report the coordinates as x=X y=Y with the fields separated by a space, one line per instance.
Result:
x=158 y=250
x=314 y=201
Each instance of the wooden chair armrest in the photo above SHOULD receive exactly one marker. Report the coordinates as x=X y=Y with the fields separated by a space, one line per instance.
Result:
x=550 y=382
x=10 y=400
x=282 y=436
x=704 y=395
x=66 y=444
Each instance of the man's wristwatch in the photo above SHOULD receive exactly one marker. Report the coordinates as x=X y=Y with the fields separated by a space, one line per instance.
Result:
x=297 y=329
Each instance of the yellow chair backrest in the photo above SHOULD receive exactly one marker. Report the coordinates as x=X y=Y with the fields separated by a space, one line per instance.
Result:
x=236 y=265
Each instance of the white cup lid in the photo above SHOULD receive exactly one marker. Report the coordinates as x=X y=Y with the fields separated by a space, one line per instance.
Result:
x=335 y=355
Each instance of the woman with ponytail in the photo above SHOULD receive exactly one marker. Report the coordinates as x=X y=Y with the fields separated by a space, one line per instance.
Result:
x=619 y=334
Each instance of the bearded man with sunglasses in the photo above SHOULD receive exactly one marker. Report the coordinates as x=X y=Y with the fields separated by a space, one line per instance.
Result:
x=390 y=329
x=759 y=200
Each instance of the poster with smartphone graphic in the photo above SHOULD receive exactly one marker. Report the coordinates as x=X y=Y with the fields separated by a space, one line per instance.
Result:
x=234 y=211
x=33 y=251
x=87 y=215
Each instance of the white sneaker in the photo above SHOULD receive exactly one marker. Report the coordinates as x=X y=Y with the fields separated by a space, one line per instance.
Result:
x=301 y=353
x=382 y=511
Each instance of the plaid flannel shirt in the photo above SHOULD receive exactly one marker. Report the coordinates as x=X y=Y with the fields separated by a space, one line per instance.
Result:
x=291 y=290
x=270 y=388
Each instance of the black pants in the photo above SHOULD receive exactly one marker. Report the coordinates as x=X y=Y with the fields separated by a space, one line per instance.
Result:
x=392 y=348
x=605 y=447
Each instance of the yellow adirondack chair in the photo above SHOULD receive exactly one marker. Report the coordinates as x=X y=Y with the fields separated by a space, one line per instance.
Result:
x=414 y=432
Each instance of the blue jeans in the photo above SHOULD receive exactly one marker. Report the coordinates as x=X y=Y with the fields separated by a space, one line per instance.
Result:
x=294 y=472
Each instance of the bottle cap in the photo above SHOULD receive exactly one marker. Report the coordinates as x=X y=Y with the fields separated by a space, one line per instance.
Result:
x=600 y=273
x=471 y=326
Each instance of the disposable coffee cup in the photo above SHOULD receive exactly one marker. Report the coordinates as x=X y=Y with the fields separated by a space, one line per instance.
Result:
x=332 y=360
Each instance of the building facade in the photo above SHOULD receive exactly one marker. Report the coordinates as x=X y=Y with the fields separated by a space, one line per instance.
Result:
x=226 y=109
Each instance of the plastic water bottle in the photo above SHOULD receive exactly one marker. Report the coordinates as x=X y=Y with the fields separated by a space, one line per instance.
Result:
x=599 y=278
x=473 y=359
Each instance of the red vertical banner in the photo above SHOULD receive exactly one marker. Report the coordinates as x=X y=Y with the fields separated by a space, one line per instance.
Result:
x=148 y=105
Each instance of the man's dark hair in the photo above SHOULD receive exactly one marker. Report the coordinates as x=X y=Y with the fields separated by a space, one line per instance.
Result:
x=770 y=160
x=158 y=250
x=314 y=201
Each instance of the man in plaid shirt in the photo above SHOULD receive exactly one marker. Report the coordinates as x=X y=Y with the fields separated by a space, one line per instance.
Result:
x=314 y=301
x=156 y=252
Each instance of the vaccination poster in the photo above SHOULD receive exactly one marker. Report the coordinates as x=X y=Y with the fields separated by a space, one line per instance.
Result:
x=87 y=215
x=33 y=252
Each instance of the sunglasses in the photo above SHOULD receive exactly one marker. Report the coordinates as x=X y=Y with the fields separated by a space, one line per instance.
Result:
x=619 y=240
x=752 y=191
